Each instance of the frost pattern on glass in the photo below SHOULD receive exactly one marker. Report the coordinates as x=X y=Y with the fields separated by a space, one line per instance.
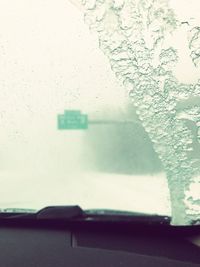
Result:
x=194 y=45
x=130 y=34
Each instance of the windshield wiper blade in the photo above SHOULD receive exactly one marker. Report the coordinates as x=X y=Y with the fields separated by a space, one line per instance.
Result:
x=75 y=213
x=126 y=216
x=17 y=210
x=47 y=213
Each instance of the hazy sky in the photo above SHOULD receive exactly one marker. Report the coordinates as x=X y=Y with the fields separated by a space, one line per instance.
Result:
x=46 y=48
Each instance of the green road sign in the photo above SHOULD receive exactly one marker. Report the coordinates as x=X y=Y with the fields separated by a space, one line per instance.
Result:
x=75 y=120
x=72 y=120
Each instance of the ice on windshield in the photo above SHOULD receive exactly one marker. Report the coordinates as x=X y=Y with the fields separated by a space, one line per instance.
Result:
x=147 y=42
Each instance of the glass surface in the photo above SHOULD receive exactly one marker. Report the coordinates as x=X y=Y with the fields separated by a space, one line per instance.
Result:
x=105 y=116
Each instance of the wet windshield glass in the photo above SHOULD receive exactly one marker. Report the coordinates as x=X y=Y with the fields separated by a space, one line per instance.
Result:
x=100 y=105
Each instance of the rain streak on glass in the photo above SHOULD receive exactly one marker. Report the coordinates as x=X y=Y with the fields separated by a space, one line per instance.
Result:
x=132 y=34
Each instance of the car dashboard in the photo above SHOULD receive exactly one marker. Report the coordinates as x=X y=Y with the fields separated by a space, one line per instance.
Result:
x=57 y=243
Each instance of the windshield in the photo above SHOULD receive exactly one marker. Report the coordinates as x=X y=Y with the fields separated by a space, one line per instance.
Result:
x=100 y=105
